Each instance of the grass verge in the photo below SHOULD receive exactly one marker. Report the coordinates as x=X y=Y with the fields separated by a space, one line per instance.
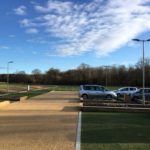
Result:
x=64 y=88
x=16 y=96
x=115 y=131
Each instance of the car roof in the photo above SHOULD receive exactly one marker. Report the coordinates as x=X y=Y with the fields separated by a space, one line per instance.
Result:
x=90 y=85
x=128 y=87
x=143 y=88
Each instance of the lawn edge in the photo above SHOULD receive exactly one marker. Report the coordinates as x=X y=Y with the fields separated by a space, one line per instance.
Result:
x=78 y=137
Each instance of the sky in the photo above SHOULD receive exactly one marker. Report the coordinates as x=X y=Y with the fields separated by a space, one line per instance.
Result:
x=63 y=34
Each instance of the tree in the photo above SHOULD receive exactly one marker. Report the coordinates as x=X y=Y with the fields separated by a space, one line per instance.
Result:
x=37 y=77
x=36 y=71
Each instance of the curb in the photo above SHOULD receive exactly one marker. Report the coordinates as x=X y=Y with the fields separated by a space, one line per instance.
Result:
x=4 y=103
x=78 y=138
x=113 y=109
x=23 y=98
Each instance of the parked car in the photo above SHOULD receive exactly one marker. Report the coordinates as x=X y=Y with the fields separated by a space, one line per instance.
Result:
x=95 y=91
x=138 y=94
x=125 y=90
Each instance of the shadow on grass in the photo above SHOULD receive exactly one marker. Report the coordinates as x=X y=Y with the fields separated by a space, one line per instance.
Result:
x=115 y=128
x=71 y=109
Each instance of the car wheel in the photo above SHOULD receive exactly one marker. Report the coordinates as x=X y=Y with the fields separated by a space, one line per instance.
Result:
x=135 y=98
x=84 y=96
x=109 y=97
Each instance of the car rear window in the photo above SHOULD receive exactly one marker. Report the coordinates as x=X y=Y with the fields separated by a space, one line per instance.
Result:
x=124 y=89
x=93 y=88
x=87 y=87
x=147 y=90
x=132 y=89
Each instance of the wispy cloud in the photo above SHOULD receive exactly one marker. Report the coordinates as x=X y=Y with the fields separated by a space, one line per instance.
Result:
x=4 y=47
x=12 y=36
x=99 y=26
x=32 y=31
x=21 y=10
x=34 y=53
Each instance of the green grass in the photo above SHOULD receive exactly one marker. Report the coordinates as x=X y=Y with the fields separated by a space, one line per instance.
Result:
x=113 y=87
x=64 y=87
x=73 y=87
x=19 y=87
x=29 y=94
x=14 y=87
x=115 y=131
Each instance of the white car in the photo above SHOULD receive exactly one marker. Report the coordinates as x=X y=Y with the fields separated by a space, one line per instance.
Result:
x=95 y=91
x=126 y=90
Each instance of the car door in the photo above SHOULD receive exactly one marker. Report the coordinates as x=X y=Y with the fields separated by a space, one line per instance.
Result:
x=146 y=92
x=91 y=91
x=95 y=92
x=132 y=90
x=124 y=91
x=100 y=92
x=148 y=95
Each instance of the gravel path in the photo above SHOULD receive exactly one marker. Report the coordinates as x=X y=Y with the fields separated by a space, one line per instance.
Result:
x=45 y=122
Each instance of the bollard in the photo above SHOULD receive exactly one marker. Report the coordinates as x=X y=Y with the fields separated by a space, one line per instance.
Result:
x=28 y=88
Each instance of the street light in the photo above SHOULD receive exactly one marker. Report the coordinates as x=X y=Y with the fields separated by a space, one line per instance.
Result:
x=10 y=62
x=106 y=73
x=143 y=65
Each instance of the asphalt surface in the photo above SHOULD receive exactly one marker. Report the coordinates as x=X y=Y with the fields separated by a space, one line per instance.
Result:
x=45 y=122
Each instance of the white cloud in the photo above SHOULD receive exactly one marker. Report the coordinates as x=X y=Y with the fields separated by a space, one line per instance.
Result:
x=34 y=52
x=38 y=40
x=21 y=10
x=12 y=36
x=27 y=23
x=32 y=31
x=57 y=6
x=4 y=47
x=98 y=26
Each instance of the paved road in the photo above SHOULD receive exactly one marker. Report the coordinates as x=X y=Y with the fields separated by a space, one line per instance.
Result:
x=45 y=122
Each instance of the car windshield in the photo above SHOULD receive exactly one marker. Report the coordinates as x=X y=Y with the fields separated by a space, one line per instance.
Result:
x=123 y=89
x=139 y=91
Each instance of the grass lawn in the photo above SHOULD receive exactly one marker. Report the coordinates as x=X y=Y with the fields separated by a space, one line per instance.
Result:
x=115 y=131
x=29 y=94
x=21 y=87
x=73 y=87
x=14 y=87
x=64 y=87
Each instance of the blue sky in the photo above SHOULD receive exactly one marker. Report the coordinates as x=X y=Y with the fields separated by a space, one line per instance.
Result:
x=65 y=33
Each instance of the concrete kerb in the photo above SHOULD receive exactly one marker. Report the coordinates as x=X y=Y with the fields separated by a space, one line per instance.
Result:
x=78 y=136
x=23 y=99
x=4 y=103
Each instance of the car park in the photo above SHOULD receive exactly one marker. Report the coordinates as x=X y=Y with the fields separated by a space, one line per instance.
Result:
x=125 y=90
x=95 y=91
x=138 y=94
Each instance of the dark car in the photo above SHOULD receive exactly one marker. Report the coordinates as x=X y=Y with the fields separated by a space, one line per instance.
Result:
x=138 y=94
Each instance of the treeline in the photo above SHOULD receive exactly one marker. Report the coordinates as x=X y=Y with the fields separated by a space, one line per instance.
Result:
x=84 y=74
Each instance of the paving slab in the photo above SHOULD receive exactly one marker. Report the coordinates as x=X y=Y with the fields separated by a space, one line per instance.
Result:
x=45 y=122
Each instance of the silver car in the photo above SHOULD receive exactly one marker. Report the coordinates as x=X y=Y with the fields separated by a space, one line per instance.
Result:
x=95 y=91
x=125 y=90
x=138 y=94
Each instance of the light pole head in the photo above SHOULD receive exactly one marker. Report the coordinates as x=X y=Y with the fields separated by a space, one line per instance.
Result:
x=148 y=40
x=136 y=40
x=10 y=62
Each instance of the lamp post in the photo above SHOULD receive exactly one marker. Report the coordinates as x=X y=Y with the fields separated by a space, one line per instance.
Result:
x=106 y=73
x=143 y=65
x=8 y=75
